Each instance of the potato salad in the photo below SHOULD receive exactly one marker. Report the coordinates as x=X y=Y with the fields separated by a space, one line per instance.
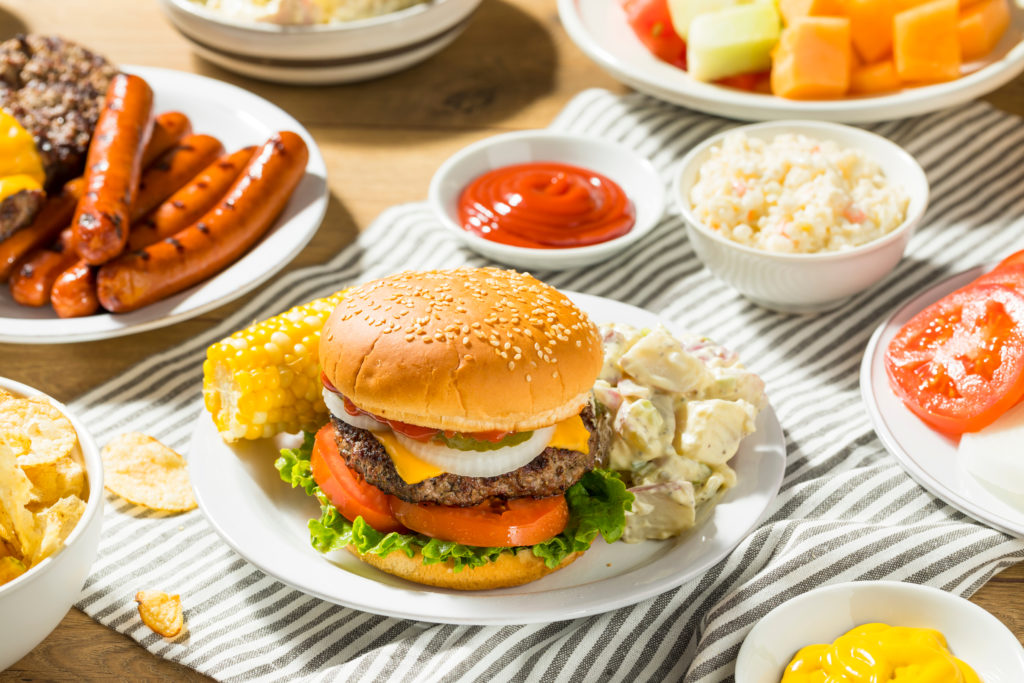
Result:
x=676 y=409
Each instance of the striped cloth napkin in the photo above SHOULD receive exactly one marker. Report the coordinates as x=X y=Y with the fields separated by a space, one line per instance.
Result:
x=847 y=510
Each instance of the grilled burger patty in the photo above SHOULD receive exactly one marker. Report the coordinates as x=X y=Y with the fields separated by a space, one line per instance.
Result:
x=55 y=89
x=549 y=474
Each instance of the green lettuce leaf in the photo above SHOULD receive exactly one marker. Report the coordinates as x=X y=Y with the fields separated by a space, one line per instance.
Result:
x=597 y=505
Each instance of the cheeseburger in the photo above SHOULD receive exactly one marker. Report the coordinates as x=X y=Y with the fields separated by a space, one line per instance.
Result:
x=462 y=444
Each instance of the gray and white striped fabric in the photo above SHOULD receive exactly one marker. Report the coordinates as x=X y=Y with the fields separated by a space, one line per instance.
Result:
x=847 y=510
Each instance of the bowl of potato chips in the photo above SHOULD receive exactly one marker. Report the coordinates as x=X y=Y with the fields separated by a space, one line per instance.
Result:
x=51 y=502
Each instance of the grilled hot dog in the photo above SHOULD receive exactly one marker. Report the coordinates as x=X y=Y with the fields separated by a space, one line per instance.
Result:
x=215 y=240
x=171 y=171
x=74 y=293
x=168 y=130
x=35 y=274
x=51 y=219
x=112 y=170
x=187 y=205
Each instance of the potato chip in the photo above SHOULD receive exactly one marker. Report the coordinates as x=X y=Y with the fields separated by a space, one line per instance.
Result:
x=161 y=612
x=143 y=471
x=16 y=495
x=49 y=431
x=53 y=479
x=10 y=569
x=55 y=524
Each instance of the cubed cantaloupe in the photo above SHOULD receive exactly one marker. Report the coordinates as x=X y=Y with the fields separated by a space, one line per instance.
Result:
x=880 y=77
x=925 y=42
x=732 y=41
x=981 y=26
x=813 y=58
x=870 y=27
x=792 y=10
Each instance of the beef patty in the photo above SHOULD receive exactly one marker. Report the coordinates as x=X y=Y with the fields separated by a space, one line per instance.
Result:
x=549 y=474
x=55 y=89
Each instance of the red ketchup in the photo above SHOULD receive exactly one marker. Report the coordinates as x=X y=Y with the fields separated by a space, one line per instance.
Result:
x=545 y=205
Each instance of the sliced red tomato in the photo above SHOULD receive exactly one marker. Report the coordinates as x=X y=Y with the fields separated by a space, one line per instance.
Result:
x=421 y=433
x=959 y=364
x=652 y=24
x=1013 y=258
x=1007 y=274
x=346 y=488
x=504 y=524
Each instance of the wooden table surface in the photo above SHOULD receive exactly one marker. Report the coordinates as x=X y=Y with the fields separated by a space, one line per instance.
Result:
x=513 y=68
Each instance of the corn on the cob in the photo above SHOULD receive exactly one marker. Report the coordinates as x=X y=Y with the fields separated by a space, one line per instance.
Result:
x=265 y=379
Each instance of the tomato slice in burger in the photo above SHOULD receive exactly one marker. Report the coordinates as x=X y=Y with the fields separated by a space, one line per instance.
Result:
x=959 y=364
x=504 y=524
x=346 y=489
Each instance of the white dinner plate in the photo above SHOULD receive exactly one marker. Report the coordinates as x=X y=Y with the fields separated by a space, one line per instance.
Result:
x=237 y=118
x=599 y=28
x=930 y=457
x=264 y=520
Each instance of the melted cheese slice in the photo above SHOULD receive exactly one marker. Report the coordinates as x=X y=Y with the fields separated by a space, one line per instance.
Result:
x=569 y=434
x=21 y=167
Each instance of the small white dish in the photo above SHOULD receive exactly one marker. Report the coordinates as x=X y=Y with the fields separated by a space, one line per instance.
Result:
x=927 y=455
x=326 y=53
x=599 y=28
x=265 y=521
x=33 y=604
x=237 y=118
x=633 y=173
x=805 y=283
x=825 y=613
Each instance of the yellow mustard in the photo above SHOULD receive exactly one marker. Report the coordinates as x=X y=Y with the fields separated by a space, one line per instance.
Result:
x=879 y=653
x=21 y=167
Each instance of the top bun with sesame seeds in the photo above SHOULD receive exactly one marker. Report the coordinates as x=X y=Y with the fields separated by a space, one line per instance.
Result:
x=468 y=350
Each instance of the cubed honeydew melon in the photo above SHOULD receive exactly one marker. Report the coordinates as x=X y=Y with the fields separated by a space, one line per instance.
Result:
x=981 y=26
x=683 y=12
x=732 y=41
x=926 y=44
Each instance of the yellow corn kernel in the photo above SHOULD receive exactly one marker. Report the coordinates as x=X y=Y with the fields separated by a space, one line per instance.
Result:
x=265 y=379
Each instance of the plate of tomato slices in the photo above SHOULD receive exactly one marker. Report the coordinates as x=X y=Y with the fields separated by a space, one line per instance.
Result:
x=640 y=49
x=950 y=361
x=266 y=521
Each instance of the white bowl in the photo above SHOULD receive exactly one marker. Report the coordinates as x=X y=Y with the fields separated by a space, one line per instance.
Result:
x=805 y=283
x=34 y=603
x=632 y=172
x=823 y=614
x=329 y=53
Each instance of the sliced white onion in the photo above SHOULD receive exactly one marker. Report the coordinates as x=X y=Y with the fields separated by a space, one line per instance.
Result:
x=336 y=404
x=479 y=463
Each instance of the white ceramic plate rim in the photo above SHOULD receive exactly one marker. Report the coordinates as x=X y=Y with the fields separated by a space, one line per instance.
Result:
x=273 y=252
x=341 y=28
x=905 y=427
x=506 y=606
x=94 y=477
x=755 y=106
x=549 y=257
x=775 y=619
x=913 y=177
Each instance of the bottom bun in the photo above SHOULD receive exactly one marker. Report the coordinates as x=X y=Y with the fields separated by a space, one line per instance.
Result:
x=510 y=569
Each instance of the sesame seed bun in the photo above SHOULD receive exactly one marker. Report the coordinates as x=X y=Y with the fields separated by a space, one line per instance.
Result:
x=510 y=569
x=470 y=349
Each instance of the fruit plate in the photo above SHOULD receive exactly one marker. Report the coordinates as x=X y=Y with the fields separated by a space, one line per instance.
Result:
x=237 y=118
x=599 y=28
x=928 y=456
x=265 y=521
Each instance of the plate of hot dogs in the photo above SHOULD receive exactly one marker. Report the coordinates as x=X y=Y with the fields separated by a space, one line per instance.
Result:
x=193 y=193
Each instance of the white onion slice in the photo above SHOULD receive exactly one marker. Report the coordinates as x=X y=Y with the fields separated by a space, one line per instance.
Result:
x=479 y=463
x=336 y=404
